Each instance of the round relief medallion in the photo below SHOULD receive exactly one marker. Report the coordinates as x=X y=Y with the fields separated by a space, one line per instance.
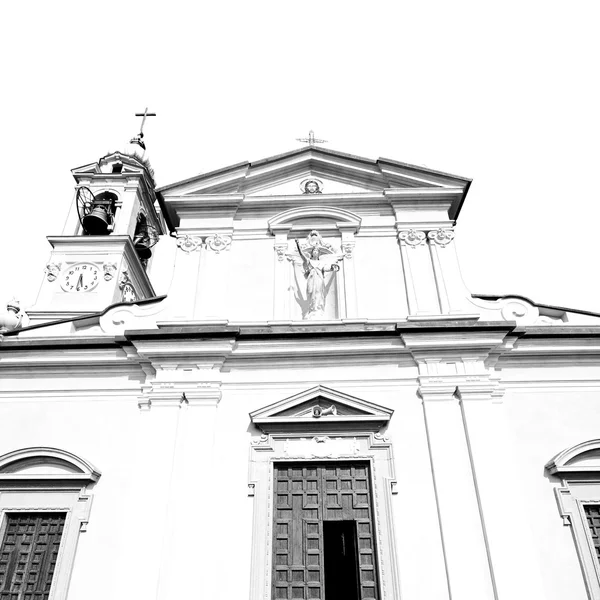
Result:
x=311 y=186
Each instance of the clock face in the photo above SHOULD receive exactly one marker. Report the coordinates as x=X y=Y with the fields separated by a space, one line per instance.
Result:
x=128 y=293
x=80 y=277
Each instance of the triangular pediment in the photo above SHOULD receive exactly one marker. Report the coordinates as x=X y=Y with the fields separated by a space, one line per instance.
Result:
x=320 y=408
x=339 y=173
x=115 y=163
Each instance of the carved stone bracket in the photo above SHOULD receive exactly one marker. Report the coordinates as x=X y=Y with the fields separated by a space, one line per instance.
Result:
x=189 y=243
x=124 y=280
x=348 y=249
x=441 y=237
x=52 y=271
x=412 y=237
x=109 y=270
x=261 y=441
x=218 y=243
x=281 y=250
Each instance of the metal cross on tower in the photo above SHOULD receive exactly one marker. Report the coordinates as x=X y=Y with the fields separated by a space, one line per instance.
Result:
x=311 y=139
x=138 y=138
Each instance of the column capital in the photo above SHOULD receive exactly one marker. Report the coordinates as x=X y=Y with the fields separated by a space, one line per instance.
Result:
x=441 y=236
x=436 y=391
x=189 y=243
x=411 y=237
x=484 y=389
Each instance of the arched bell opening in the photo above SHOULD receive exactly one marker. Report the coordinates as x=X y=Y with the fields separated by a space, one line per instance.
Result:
x=144 y=238
x=96 y=212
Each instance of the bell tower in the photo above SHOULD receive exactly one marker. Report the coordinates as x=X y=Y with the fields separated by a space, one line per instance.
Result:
x=104 y=254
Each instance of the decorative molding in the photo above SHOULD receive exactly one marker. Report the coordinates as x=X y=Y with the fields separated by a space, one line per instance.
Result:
x=581 y=458
x=514 y=309
x=412 y=237
x=281 y=249
x=40 y=455
x=348 y=249
x=342 y=218
x=344 y=413
x=52 y=271
x=261 y=441
x=302 y=446
x=109 y=270
x=563 y=496
x=218 y=243
x=579 y=469
x=124 y=279
x=189 y=243
x=441 y=237
x=319 y=411
x=128 y=293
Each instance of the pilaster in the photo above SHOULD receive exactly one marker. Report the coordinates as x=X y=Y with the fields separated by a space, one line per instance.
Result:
x=418 y=273
x=192 y=495
x=452 y=292
x=213 y=274
x=468 y=570
x=349 y=278
x=186 y=271
x=513 y=565
x=281 y=308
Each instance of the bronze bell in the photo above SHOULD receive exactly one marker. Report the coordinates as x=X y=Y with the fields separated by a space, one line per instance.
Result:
x=141 y=243
x=97 y=222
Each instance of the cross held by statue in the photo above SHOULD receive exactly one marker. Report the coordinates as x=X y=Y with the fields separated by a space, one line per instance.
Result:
x=144 y=115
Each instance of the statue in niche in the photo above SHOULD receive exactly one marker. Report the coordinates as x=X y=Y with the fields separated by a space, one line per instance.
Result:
x=318 y=258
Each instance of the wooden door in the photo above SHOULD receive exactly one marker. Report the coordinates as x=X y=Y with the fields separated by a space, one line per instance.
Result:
x=305 y=496
x=28 y=555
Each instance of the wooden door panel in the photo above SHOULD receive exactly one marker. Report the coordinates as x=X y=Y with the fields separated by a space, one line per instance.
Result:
x=28 y=555
x=306 y=495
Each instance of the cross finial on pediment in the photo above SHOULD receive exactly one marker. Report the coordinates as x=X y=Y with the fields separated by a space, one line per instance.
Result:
x=311 y=139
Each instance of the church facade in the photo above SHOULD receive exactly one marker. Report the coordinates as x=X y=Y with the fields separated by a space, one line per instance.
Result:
x=315 y=408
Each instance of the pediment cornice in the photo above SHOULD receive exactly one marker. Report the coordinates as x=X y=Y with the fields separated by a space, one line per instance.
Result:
x=321 y=409
x=372 y=175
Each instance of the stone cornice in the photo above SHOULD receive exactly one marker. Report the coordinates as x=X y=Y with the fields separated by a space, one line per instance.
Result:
x=214 y=346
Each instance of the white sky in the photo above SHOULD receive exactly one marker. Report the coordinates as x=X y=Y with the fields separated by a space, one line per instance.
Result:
x=507 y=94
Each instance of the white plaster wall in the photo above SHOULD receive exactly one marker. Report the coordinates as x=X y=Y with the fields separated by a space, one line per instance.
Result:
x=250 y=280
x=170 y=469
x=378 y=267
x=99 y=431
x=542 y=423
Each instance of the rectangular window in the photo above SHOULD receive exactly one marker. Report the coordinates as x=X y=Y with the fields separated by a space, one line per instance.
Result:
x=592 y=512
x=28 y=554
x=323 y=534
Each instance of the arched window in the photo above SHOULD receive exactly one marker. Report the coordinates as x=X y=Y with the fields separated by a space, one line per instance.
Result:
x=45 y=503
x=578 y=501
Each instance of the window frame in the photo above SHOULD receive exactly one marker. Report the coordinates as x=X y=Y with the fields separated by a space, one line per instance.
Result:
x=38 y=480
x=578 y=468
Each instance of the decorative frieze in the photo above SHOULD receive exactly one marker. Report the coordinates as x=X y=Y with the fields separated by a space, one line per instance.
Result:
x=189 y=243
x=412 y=237
x=218 y=243
x=441 y=237
x=52 y=271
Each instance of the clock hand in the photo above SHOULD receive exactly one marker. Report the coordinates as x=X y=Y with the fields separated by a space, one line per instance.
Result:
x=79 y=282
